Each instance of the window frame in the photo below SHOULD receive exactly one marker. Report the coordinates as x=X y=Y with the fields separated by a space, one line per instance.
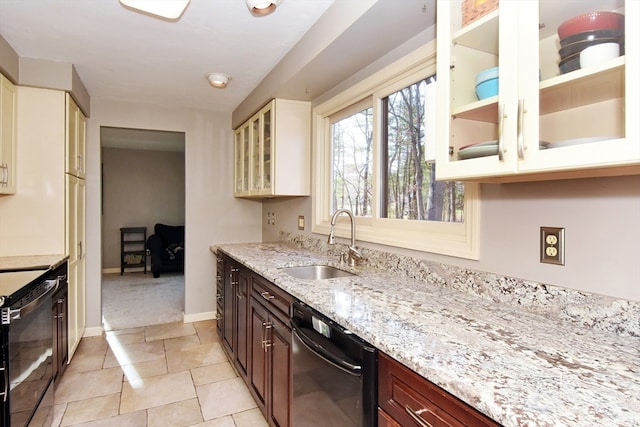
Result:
x=453 y=239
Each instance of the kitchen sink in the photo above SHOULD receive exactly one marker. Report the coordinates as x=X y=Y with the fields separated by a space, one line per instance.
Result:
x=316 y=272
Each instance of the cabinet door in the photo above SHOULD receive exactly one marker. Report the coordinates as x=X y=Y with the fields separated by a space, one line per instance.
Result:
x=220 y=274
x=72 y=137
x=237 y=168
x=77 y=260
x=258 y=362
x=227 y=308
x=266 y=147
x=542 y=120
x=280 y=375
x=241 y=317
x=588 y=116
x=7 y=136
x=82 y=144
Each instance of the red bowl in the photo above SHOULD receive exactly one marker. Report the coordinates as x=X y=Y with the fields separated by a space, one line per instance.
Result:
x=591 y=21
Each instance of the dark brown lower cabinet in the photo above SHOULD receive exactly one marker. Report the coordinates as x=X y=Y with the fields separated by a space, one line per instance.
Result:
x=406 y=399
x=232 y=310
x=270 y=343
x=60 y=331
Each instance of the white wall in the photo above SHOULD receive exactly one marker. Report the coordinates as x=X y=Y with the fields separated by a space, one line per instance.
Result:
x=212 y=214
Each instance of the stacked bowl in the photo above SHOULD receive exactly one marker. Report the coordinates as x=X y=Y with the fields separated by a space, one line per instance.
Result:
x=591 y=38
x=487 y=83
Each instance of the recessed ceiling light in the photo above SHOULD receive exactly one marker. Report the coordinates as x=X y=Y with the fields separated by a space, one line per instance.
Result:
x=218 y=80
x=170 y=9
x=262 y=7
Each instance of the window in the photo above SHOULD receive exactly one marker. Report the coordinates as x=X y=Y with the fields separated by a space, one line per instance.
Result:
x=376 y=158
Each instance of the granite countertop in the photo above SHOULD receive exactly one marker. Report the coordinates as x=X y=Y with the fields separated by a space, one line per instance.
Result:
x=31 y=262
x=518 y=367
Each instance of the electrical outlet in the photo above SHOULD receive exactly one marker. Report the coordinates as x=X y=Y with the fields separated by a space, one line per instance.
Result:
x=300 y=222
x=268 y=218
x=552 y=245
x=273 y=218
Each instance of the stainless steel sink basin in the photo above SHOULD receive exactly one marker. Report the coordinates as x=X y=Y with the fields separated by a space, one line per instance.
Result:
x=316 y=272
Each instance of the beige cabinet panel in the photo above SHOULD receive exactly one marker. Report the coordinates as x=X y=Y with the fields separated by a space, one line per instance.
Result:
x=7 y=136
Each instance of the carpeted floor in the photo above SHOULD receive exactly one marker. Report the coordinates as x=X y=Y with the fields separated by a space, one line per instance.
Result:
x=137 y=299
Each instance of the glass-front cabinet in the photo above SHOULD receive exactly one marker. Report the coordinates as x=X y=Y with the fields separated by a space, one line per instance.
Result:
x=272 y=151
x=551 y=117
x=241 y=163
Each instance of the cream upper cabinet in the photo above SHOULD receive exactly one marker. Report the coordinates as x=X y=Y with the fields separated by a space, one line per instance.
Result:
x=241 y=164
x=272 y=151
x=7 y=136
x=542 y=124
x=76 y=134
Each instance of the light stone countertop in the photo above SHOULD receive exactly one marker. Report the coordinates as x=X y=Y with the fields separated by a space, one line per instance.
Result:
x=31 y=262
x=518 y=367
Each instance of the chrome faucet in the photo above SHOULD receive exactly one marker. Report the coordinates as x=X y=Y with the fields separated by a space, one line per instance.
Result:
x=354 y=254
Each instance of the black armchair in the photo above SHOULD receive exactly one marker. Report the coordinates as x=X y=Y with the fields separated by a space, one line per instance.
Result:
x=166 y=247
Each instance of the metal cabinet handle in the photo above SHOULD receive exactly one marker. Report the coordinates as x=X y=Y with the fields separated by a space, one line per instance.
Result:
x=5 y=176
x=5 y=392
x=520 y=129
x=415 y=416
x=266 y=343
x=266 y=295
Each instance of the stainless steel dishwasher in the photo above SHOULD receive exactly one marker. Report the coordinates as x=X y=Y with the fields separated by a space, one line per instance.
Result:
x=334 y=373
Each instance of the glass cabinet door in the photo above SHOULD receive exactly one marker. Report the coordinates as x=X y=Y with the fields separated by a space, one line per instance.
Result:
x=267 y=141
x=256 y=173
x=237 y=179
x=245 y=159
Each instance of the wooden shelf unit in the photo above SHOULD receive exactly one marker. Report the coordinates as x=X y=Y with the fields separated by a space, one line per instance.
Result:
x=133 y=244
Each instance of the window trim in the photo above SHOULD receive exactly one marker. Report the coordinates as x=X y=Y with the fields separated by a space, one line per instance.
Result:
x=453 y=239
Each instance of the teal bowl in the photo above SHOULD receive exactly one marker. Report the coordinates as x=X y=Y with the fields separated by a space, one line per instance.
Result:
x=487 y=88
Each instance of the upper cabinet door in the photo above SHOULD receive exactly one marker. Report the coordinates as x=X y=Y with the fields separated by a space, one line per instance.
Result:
x=544 y=122
x=76 y=139
x=7 y=136
x=243 y=151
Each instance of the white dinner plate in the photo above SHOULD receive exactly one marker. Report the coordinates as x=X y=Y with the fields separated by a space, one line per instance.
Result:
x=478 y=151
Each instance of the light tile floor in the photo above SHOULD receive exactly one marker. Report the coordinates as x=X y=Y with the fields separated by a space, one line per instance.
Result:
x=174 y=374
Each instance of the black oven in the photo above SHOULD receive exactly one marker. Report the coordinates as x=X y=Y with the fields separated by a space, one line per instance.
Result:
x=334 y=373
x=26 y=343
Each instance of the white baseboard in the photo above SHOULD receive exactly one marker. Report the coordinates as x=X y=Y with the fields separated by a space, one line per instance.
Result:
x=95 y=331
x=198 y=317
x=128 y=270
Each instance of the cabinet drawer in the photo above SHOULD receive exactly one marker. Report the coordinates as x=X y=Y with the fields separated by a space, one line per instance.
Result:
x=411 y=400
x=273 y=297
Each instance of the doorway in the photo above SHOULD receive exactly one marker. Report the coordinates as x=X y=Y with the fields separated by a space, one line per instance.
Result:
x=143 y=184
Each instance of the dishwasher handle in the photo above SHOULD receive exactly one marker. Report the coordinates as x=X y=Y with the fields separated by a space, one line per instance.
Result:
x=322 y=352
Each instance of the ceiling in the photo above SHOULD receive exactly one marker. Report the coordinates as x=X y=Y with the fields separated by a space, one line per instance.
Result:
x=128 y=56
x=131 y=56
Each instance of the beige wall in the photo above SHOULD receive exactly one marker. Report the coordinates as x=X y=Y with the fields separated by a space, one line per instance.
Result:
x=139 y=188
x=602 y=231
x=212 y=214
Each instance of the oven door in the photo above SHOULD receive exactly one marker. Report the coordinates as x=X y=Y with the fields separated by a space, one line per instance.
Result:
x=27 y=340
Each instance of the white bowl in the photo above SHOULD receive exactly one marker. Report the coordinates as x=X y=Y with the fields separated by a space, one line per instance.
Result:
x=597 y=54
